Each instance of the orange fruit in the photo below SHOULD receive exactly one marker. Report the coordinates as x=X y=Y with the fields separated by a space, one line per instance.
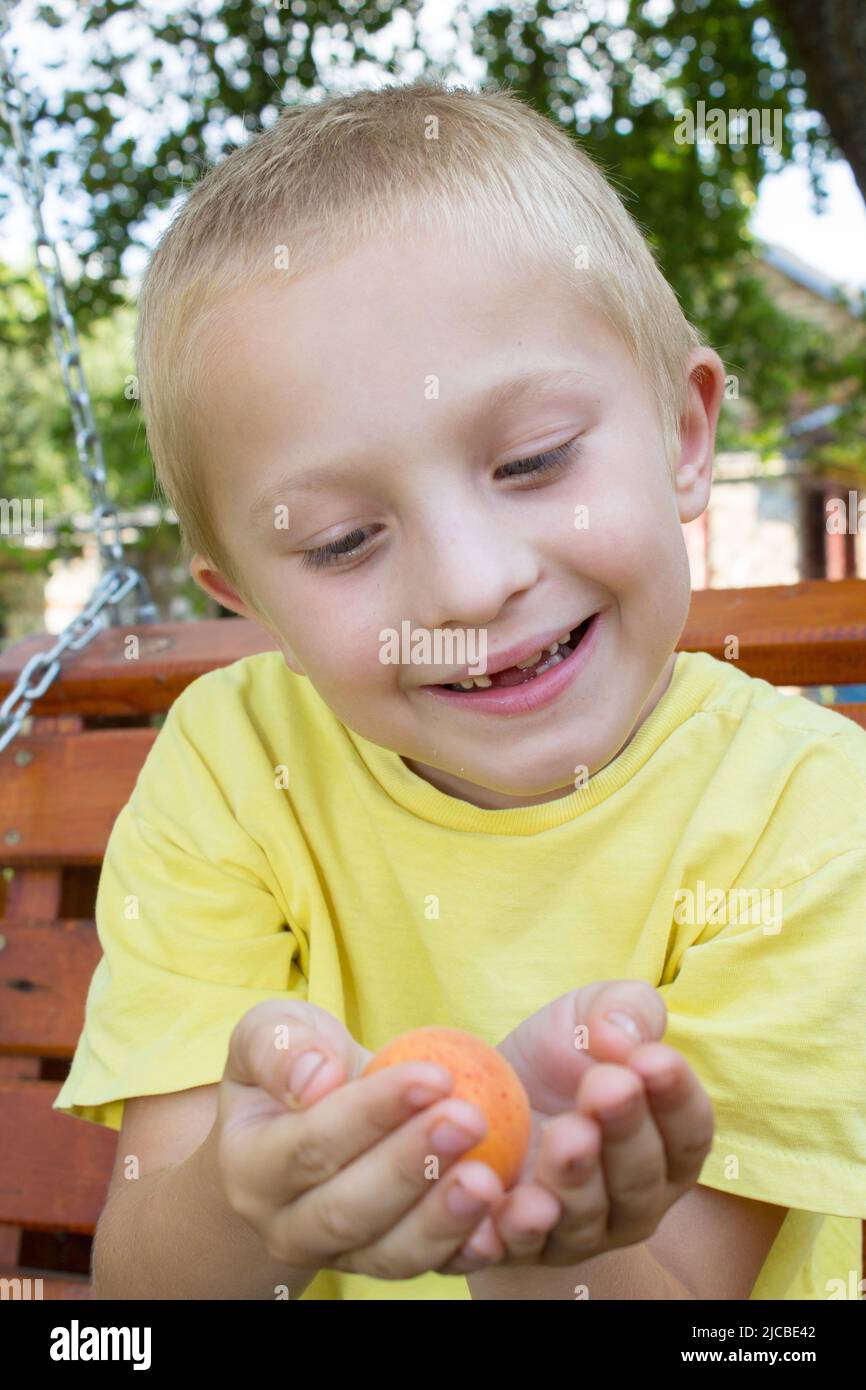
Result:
x=482 y=1076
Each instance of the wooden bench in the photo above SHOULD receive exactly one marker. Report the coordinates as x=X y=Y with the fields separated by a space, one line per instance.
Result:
x=63 y=784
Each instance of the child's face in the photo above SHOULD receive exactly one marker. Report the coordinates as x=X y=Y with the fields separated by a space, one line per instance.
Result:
x=382 y=361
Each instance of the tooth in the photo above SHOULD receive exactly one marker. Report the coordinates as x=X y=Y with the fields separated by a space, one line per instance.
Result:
x=483 y=682
x=551 y=661
x=531 y=660
x=564 y=638
x=552 y=649
x=465 y=685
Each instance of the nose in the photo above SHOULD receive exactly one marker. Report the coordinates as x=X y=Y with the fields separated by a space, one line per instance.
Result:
x=469 y=566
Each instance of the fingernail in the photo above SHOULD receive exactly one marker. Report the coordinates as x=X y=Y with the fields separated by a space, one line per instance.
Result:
x=303 y=1072
x=424 y=1095
x=661 y=1081
x=626 y=1023
x=619 y=1110
x=450 y=1138
x=462 y=1202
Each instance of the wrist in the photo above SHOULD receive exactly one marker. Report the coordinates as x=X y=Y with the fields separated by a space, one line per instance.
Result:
x=630 y=1272
x=204 y=1175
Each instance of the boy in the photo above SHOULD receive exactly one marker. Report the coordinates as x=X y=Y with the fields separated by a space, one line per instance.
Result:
x=406 y=363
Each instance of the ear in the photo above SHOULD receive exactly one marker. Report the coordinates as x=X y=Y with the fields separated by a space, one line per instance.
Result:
x=212 y=582
x=694 y=467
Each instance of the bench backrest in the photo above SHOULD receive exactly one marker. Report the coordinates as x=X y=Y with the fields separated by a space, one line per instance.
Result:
x=61 y=787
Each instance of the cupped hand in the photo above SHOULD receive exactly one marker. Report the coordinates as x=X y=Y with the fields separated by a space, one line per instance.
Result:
x=621 y=1130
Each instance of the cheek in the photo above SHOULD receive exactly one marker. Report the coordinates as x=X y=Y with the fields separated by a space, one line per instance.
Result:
x=610 y=541
x=631 y=532
x=347 y=658
x=332 y=635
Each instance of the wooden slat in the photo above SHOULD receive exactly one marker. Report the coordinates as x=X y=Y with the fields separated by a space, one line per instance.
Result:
x=56 y=1174
x=102 y=680
x=45 y=972
x=32 y=893
x=16 y=1068
x=62 y=804
x=812 y=633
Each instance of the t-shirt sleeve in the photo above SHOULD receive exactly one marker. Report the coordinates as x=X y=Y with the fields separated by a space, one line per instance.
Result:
x=193 y=930
x=770 y=1011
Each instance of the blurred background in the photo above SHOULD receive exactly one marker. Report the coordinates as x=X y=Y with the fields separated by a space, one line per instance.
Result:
x=760 y=226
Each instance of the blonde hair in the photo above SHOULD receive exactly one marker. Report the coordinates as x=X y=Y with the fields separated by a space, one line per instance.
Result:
x=330 y=173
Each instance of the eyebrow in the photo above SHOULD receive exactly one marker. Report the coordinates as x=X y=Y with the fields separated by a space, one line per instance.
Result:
x=503 y=395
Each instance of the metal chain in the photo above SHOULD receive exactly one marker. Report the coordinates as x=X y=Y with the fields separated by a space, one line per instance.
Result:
x=118 y=578
x=113 y=587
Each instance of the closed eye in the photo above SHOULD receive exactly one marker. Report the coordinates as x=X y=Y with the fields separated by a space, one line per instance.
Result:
x=323 y=554
x=555 y=460
x=349 y=546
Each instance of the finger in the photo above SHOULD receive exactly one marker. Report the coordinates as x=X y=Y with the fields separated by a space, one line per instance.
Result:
x=432 y=1234
x=616 y=1016
x=553 y=1049
x=633 y=1154
x=483 y=1248
x=681 y=1107
x=543 y=1052
x=264 y=1048
x=361 y=1205
x=518 y=1228
x=296 y=1151
x=571 y=1168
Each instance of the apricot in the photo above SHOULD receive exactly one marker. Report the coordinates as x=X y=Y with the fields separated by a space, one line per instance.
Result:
x=482 y=1076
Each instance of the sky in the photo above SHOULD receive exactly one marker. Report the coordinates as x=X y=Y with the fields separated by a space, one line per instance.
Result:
x=833 y=241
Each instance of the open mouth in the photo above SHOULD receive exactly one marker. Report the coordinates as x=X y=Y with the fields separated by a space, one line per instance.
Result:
x=522 y=675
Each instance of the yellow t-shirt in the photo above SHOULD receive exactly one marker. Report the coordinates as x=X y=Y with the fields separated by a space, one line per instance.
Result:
x=270 y=851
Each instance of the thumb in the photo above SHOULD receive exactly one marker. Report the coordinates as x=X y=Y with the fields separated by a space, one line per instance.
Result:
x=613 y=1017
x=292 y=1051
x=553 y=1049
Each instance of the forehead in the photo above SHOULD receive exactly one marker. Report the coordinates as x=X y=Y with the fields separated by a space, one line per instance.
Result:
x=398 y=341
x=388 y=317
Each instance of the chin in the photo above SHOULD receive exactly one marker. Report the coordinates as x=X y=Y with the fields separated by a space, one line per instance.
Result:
x=560 y=779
